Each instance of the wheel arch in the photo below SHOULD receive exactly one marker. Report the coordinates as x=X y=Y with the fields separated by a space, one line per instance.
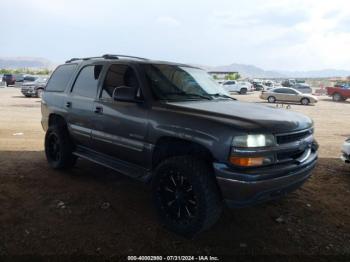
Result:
x=166 y=147
x=57 y=119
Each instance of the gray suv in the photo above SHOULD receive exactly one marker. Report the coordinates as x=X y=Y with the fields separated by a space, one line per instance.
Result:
x=171 y=125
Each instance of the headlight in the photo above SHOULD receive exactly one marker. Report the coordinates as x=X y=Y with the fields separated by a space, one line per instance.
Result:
x=259 y=140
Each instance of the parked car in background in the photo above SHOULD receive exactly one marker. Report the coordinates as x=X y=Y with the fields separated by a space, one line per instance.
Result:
x=234 y=86
x=258 y=86
x=346 y=151
x=338 y=93
x=303 y=88
x=288 y=82
x=285 y=94
x=342 y=85
x=29 y=78
x=268 y=83
x=19 y=77
x=34 y=88
x=9 y=79
x=246 y=84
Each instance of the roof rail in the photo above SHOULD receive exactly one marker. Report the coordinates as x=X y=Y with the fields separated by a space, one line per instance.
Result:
x=106 y=56
x=84 y=58
x=110 y=56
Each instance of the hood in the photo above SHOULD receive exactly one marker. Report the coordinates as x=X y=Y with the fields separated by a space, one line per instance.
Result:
x=30 y=83
x=34 y=83
x=245 y=116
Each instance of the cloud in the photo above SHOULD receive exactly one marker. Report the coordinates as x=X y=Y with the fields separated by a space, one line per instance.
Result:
x=271 y=17
x=273 y=34
x=168 y=21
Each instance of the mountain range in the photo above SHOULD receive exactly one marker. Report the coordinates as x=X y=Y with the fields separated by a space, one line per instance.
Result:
x=25 y=62
x=244 y=70
x=256 y=72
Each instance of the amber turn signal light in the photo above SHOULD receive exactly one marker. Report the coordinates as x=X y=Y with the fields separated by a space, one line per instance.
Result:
x=246 y=161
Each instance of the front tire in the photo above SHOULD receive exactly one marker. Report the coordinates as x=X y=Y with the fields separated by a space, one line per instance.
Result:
x=305 y=101
x=58 y=148
x=186 y=196
x=39 y=93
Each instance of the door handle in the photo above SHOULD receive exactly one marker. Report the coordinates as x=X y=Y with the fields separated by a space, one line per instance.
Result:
x=98 y=110
x=68 y=104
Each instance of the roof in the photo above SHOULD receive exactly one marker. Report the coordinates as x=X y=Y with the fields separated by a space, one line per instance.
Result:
x=136 y=59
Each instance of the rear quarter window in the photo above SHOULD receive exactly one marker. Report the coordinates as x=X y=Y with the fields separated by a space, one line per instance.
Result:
x=61 y=77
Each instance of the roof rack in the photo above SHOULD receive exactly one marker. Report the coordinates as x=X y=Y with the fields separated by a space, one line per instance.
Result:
x=106 y=56
x=110 y=56
x=84 y=58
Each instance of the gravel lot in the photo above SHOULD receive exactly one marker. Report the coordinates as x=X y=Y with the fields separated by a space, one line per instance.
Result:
x=92 y=210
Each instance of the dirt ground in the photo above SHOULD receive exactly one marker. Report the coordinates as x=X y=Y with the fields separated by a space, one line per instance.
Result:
x=91 y=210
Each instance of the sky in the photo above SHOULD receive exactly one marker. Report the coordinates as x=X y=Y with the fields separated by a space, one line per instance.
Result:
x=272 y=34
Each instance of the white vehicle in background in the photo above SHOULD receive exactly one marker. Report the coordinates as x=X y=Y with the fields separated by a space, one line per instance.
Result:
x=246 y=84
x=234 y=86
x=346 y=151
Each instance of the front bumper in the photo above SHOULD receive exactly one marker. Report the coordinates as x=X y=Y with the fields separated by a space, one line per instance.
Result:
x=346 y=152
x=246 y=189
x=346 y=158
x=28 y=92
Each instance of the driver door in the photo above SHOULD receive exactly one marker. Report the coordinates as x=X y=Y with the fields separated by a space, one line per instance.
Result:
x=120 y=128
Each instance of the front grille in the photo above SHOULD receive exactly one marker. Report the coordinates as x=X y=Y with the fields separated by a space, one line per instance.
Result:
x=289 y=155
x=288 y=138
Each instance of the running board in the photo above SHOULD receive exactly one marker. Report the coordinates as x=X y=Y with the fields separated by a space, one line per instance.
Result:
x=112 y=163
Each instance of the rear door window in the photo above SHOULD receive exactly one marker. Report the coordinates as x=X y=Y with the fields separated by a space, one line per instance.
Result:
x=290 y=91
x=87 y=82
x=280 y=91
x=61 y=77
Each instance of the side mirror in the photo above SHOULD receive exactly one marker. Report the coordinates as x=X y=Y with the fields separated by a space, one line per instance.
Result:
x=125 y=94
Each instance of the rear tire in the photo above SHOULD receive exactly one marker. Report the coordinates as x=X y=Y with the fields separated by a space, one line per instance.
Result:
x=186 y=196
x=271 y=99
x=243 y=91
x=305 y=101
x=58 y=148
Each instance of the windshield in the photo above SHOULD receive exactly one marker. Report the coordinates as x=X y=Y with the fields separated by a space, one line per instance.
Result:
x=171 y=82
x=41 y=80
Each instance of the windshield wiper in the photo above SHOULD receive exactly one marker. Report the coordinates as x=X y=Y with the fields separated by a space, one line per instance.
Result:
x=222 y=95
x=190 y=95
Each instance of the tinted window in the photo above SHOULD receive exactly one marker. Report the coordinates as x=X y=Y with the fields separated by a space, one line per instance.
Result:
x=119 y=75
x=230 y=83
x=61 y=77
x=29 y=78
x=290 y=91
x=87 y=81
x=284 y=91
x=280 y=90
